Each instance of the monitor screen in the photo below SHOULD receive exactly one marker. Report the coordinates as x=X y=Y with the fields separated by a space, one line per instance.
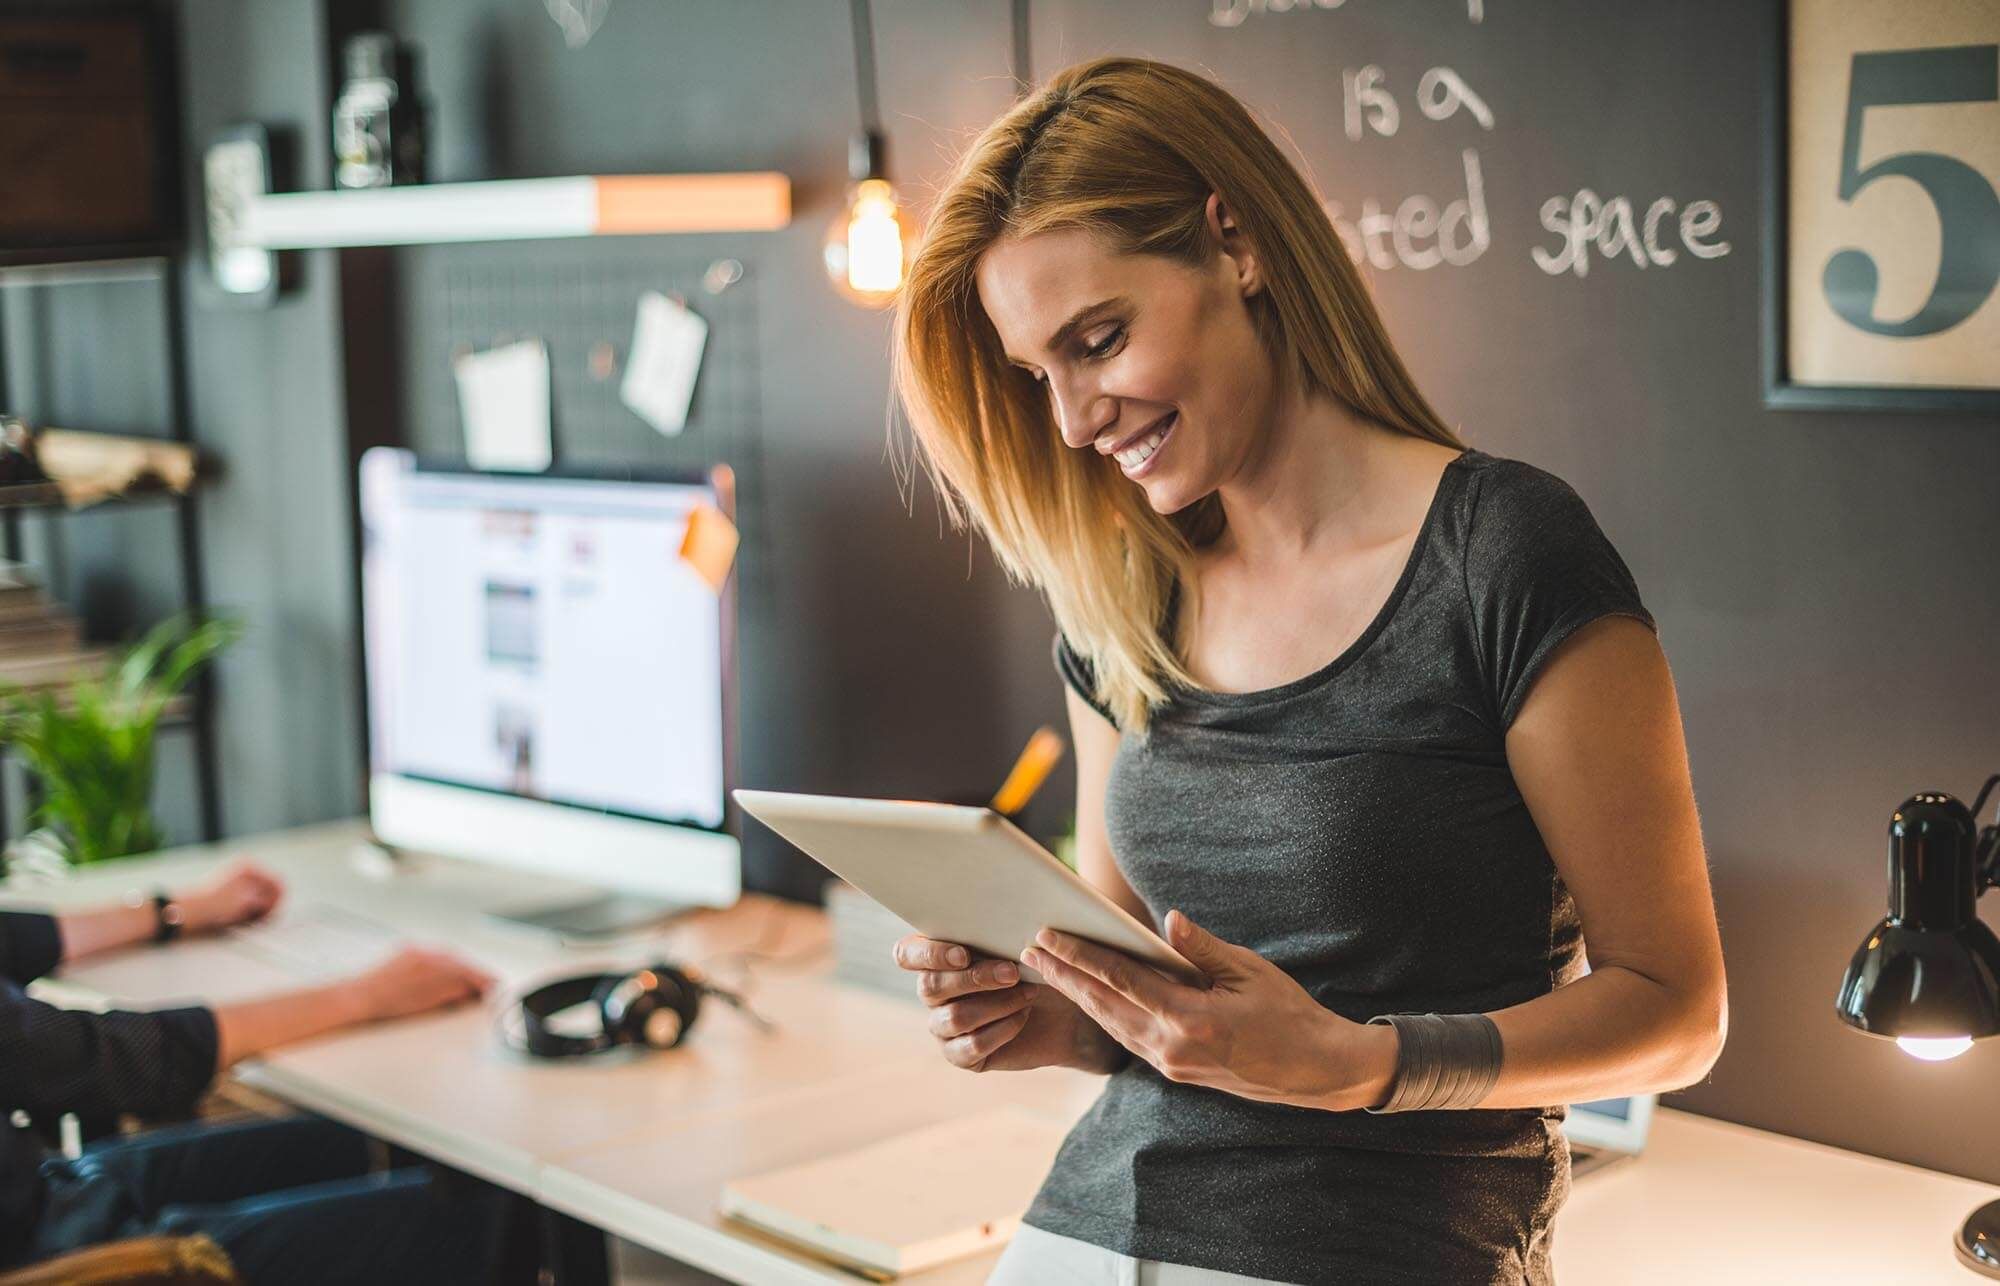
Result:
x=542 y=637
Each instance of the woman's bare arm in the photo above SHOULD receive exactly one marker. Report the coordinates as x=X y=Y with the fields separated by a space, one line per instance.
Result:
x=1096 y=742
x=1600 y=758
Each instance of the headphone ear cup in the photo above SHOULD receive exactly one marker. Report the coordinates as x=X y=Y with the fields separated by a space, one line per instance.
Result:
x=685 y=997
x=533 y=1011
x=654 y=1007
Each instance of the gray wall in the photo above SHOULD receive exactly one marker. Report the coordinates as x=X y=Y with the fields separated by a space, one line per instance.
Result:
x=1822 y=580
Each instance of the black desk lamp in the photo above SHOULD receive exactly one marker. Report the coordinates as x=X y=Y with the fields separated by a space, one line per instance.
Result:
x=1928 y=976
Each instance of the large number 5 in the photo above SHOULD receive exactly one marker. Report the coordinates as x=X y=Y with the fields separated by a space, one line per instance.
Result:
x=1968 y=211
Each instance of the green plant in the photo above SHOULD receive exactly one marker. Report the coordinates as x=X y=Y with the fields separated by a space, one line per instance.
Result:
x=1064 y=845
x=90 y=743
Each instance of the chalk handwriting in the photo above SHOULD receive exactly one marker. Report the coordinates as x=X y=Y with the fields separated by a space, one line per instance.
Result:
x=1367 y=105
x=1586 y=220
x=1420 y=234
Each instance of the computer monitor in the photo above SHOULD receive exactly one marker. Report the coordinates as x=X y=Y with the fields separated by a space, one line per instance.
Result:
x=1612 y=1122
x=550 y=683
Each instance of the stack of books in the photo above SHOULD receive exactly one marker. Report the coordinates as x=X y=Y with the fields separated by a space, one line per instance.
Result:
x=41 y=646
x=864 y=940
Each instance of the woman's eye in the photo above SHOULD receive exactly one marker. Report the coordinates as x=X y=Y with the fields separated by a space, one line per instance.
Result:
x=1104 y=346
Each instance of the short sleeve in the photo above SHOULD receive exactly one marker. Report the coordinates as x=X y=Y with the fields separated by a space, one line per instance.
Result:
x=30 y=945
x=1080 y=676
x=1537 y=569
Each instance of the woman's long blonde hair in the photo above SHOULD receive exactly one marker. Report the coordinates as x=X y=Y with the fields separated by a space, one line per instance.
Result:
x=1129 y=150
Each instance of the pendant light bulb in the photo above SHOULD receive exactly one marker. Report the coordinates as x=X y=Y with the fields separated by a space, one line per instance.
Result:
x=1934 y=1049
x=868 y=244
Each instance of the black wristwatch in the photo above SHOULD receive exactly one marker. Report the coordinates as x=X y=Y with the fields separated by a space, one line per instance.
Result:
x=167 y=918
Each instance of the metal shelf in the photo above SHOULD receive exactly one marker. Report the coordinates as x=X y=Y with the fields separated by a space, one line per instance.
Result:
x=193 y=710
x=47 y=495
x=516 y=209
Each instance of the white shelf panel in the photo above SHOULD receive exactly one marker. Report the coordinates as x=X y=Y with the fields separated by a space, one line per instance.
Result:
x=516 y=209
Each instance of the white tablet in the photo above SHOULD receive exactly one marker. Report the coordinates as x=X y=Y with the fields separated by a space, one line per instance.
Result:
x=959 y=874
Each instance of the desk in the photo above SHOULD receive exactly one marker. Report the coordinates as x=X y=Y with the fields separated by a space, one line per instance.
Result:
x=640 y=1146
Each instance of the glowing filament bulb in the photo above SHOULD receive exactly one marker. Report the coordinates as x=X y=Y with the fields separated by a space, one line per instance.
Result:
x=1934 y=1049
x=874 y=239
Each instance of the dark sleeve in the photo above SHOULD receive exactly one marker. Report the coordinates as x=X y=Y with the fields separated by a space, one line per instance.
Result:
x=1078 y=674
x=63 y=1060
x=1537 y=568
x=30 y=945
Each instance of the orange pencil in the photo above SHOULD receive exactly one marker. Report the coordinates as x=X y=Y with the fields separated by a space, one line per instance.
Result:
x=1043 y=751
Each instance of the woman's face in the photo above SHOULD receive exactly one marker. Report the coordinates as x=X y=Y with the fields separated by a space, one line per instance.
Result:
x=1147 y=361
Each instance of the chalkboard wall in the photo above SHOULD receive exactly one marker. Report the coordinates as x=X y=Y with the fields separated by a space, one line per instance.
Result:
x=1827 y=584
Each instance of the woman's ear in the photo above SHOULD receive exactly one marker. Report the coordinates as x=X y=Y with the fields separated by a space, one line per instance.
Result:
x=1222 y=226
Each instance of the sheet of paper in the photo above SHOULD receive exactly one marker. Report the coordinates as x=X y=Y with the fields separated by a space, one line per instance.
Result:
x=710 y=545
x=667 y=341
x=503 y=396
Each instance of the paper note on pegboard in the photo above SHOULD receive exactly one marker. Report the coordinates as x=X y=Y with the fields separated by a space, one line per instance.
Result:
x=667 y=342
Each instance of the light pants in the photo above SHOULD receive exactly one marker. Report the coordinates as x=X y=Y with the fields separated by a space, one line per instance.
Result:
x=1037 y=1258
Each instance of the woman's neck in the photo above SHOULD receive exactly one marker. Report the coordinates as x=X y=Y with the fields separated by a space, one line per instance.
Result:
x=1316 y=485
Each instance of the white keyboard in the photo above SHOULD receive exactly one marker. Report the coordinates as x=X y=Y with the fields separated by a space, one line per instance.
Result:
x=318 y=941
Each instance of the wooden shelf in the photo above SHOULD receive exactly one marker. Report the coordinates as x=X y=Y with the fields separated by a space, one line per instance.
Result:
x=516 y=209
x=109 y=257
x=47 y=495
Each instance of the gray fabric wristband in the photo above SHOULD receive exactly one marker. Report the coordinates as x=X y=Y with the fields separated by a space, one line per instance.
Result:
x=1442 y=1061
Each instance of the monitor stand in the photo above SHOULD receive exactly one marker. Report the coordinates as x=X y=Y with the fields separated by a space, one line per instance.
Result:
x=609 y=916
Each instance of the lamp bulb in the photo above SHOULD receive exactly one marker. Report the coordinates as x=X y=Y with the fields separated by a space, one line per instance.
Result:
x=1934 y=1049
x=867 y=246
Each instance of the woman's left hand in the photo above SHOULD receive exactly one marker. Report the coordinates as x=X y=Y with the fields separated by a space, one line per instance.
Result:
x=1253 y=1032
x=241 y=893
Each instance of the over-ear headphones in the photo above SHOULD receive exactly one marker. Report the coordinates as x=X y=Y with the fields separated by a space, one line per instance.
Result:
x=654 y=1007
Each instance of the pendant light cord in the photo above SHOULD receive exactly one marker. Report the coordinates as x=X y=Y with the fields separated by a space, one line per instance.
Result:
x=1023 y=71
x=864 y=67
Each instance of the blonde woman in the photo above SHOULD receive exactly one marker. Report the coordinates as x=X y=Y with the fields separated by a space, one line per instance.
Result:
x=1372 y=725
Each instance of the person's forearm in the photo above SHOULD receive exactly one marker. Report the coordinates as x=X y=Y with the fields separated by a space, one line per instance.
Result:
x=1095 y=1050
x=1609 y=1034
x=1612 y=1033
x=253 y=1026
x=89 y=933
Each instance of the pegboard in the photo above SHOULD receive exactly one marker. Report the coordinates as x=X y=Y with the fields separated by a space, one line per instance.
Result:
x=581 y=301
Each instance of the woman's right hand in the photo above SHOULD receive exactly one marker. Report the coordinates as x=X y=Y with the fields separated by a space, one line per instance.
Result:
x=415 y=980
x=412 y=981
x=986 y=1019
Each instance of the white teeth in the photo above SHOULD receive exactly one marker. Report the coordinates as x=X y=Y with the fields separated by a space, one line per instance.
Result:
x=1134 y=456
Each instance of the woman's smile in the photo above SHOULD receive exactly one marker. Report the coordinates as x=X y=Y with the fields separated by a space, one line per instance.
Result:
x=1138 y=459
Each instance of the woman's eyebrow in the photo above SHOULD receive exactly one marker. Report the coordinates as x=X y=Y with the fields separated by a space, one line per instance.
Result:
x=1078 y=320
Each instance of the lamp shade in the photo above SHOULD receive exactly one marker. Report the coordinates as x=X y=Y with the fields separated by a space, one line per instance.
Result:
x=1931 y=968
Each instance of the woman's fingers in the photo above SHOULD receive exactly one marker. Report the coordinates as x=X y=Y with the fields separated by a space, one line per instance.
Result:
x=988 y=975
x=969 y=1013
x=939 y=982
x=918 y=952
x=971 y=1050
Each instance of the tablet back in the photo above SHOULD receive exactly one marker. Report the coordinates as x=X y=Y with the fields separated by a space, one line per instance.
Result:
x=958 y=874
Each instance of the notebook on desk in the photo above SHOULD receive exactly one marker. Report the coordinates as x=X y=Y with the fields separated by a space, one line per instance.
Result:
x=910 y=1202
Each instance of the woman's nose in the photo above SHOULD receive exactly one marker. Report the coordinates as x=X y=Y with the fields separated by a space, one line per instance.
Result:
x=1082 y=416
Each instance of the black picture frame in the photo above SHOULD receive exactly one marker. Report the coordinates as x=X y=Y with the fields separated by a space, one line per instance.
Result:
x=165 y=235
x=1780 y=393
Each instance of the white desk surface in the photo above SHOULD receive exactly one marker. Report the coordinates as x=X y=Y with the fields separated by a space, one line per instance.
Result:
x=641 y=1145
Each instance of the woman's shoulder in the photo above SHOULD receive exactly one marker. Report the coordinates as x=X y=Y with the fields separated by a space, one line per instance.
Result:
x=1508 y=483
x=1507 y=502
x=1526 y=531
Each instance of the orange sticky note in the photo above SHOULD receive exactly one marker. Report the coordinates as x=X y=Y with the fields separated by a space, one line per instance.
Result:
x=710 y=545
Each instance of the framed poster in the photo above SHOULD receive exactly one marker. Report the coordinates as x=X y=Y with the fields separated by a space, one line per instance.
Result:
x=1882 y=285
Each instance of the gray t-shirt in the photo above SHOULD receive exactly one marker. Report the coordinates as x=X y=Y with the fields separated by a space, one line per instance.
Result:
x=1360 y=829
